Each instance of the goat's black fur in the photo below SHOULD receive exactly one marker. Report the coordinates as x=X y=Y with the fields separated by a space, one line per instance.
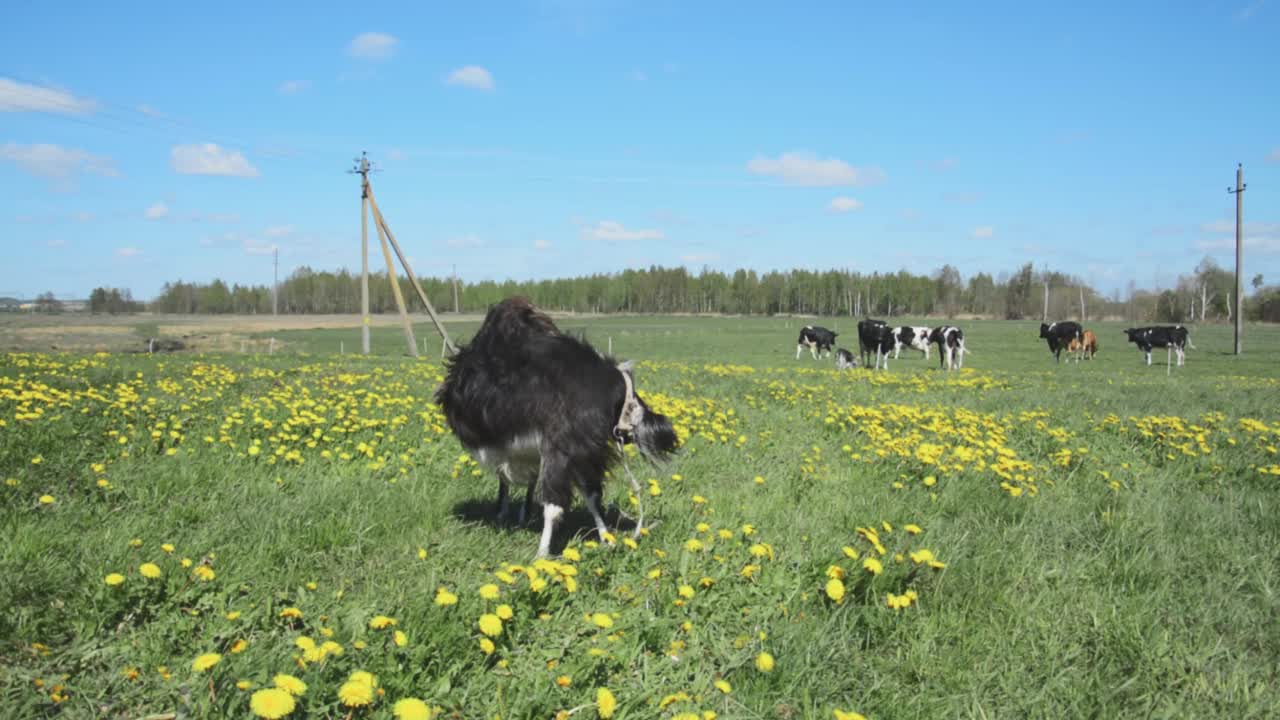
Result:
x=543 y=408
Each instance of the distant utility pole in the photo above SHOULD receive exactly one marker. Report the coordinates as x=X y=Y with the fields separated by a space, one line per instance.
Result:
x=1239 y=192
x=275 y=281
x=455 y=289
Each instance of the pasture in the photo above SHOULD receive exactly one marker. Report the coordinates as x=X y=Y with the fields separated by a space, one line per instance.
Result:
x=1018 y=539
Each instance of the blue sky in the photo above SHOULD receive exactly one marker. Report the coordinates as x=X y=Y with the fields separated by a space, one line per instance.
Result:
x=151 y=142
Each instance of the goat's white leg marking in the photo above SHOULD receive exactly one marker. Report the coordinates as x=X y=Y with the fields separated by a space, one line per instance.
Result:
x=551 y=514
x=593 y=504
x=813 y=350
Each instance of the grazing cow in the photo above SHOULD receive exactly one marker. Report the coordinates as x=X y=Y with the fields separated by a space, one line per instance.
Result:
x=546 y=410
x=951 y=347
x=845 y=360
x=1173 y=337
x=816 y=339
x=875 y=339
x=916 y=338
x=1060 y=335
x=1090 y=345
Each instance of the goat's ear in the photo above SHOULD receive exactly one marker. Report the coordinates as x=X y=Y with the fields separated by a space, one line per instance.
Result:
x=625 y=366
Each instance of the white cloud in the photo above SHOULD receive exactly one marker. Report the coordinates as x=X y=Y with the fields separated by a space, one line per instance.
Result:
x=293 y=87
x=472 y=76
x=278 y=231
x=253 y=246
x=57 y=163
x=611 y=231
x=844 y=204
x=157 y=211
x=128 y=252
x=542 y=244
x=21 y=97
x=372 y=46
x=150 y=111
x=1261 y=237
x=984 y=231
x=210 y=159
x=696 y=258
x=806 y=168
x=465 y=241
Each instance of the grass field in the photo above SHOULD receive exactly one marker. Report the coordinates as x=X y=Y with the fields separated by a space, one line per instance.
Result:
x=1019 y=539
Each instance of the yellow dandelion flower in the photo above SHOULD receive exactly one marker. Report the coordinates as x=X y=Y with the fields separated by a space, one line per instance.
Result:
x=422 y=553
x=167 y=547
x=290 y=684
x=571 y=555
x=271 y=703
x=490 y=625
x=764 y=662
x=381 y=621
x=685 y=591
x=46 y=500
x=602 y=620
x=489 y=591
x=244 y=684
x=239 y=646
x=606 y=703
x=835 y=590
x=233 y=615
x=204 y=573
x=723 y=686
x=914 y=530
x=400 y=638
x=504 y=612
x=206 y=661
x=355 y=694
x=872 y=566
x=291 y=612
x=564 y=681
x=149 y=570
x=114 y=579
x=445 y=598
x=411 y=709
x=842 y=715
x=486 y=646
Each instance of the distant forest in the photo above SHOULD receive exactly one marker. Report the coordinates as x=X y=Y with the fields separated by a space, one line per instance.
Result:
x=1203 y=294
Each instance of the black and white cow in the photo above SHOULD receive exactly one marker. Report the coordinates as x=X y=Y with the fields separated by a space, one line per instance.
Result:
x=1173 y=337
x=875 y=340
x=916 y=338
x=845 y=360
x=1060 y=335
x=816 y=339
x=951 y=349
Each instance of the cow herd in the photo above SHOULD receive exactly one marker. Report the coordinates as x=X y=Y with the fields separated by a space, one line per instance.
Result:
x=877 y=341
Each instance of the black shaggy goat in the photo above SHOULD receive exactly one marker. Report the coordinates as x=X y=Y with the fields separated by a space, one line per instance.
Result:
x=545 y=410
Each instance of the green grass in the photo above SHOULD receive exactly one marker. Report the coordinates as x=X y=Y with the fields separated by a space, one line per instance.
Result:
x=1148 y=591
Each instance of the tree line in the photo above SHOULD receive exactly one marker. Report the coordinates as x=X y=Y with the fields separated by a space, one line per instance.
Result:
x=1203 y=295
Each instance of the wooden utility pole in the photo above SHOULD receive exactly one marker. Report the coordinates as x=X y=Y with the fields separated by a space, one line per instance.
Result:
x=1045 y=315
x=395 y=292
x=362 y=169
x=413 y=279
x=455 y=289
x=1239 y=313
x=275 y=282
